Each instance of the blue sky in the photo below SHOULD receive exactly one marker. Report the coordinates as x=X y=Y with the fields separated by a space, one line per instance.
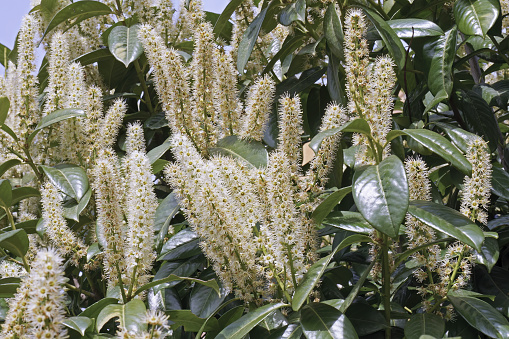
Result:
x=13 y=10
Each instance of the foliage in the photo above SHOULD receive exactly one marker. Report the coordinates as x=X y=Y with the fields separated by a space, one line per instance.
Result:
x=288 y=169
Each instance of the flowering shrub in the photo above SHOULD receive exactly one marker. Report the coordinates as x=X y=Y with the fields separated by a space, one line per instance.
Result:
x=284 y=169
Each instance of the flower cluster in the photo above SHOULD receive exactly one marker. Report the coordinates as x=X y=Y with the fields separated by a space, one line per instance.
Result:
x=157 y=327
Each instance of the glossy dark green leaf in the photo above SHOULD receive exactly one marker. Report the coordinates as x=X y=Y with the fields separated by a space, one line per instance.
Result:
x=130 y=316
x=204 y=300
x=448 y=221
x=94 y=56
x=291 y=331
x=322 y=321
x=414 y=28
x=124 y=44
x=476 y=17
x=212 y=283
x=159 y=165
x=225 y=16
x=8 y=287
x=184 y=244
x=60 y=115
x=239 y=328
x=440 y=72
x=458 y=136
x=180 y=268
x=30 y=226
x=482 y=316
x=248 y=40
x=442 y=147
x=15 y=241
x=489 y=254
x=71 y=180
x=251 y=152
x=290 y=44
x=79 y=324
x=333 y=30
x=4 y=109
x=381 y=195
x=328 y=204
x=79 y=11
x=348 y=221
x=21 y=193
x=191 y=322
x=5 y=194
x=293 y=12
x=93 y=250
x=8 y=165
x=439 y=97
x=500 y=182
x=315 y=272
x=93 y=310
x=425 y=324
x=365 y=319
x=166 y=210
x=334 y=81
x=73 y=212
x=494 y=283
x=479 y=117
x=157 y=152
x=356 y=126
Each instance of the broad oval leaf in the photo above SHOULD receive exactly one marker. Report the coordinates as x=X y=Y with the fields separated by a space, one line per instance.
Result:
x=15 y=241
x=414 y=28
x=157 y=152
x=348 y=221
x=239 y=328
x=251 y=152
x=482 y=316
x=4 y=109
x=425 y=324
x=315 y=272
x=79 y=11
x=5 y=193
x=458 y=136
x=494 y=283
x=180 y=268
x=93 y=310
x=166 y=210
x=191 y=322
x=21 y=193
x=124 y=44
x=71 y=180
x=224 y=18
x=204 y=300
x=476 y=17
x=249 y=39
x=293 y=12
x=328 y=204
x=365 y=319
x=442 y=147
x=79 y=324
x=448 y=221
x=500 y=182
x=8 y=165
x=440 y=72
x=59 y=115
x=130 y=315
x=184 y=244
x=381 y=195
x=212 y=283
x=489 y=253
x=323 y=321
x=333 y=30
x=8 y=287
x=356 y=126
x=74 y=210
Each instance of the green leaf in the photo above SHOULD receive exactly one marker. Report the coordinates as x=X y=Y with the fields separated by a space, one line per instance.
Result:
x=239 y=328
x=94 y=56
x=333 y=30
x=489 y=254
x=30 y=226
x=21 y=193
x=204 y=300
x=425 y=324
x=159 y=165
x=93 y=310
x=179 y=268
x=494 y=283
x=327 y=205
x=131 y=315
x=182 y=245
x=59 y=115
x=356 y=126
x=212 y=283
x=448 y=221
x=8 y=165
x=79 y=11
x=9 y=131
x=191 y=322
x=4 y=109
x=365 y=319
x=8 y=287
x=93 y=250
x=315 y=272
x=71 y=180
x=480 y=315
x=348 y=221
x=79 y=324
x=439 y=97
x=4 y=55
x=253 y=153
x=381 y=195
x=248 y=40
x=500 y=182
x=293 y=12
x=322 y=321
x=476 y=17
x=458 y=136
x=124 y=44
x=440 y=72
x=73 y=212
x=166 y=210
x=414 y=28
x=15 y=241
x=442 y=147
x=225 y=16
x=5 y=193
x=157 y=152
x=291 y=331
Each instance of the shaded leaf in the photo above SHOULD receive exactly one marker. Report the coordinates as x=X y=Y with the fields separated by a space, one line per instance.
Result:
x=333 y=30
x=130 y=316
x=323 y=321
x=425 y=324
x=8 y=287
x=157 y=152
x=8 y=165
x=4 y=109
x=191 y=322
x=15 y=241
x=365 y=319
x=440 y=71
x=348 y=221
x=166 y=210
x=249 y=39
x=182 y=245
x=356 y=126
x=251 y=152
x=328 y=204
